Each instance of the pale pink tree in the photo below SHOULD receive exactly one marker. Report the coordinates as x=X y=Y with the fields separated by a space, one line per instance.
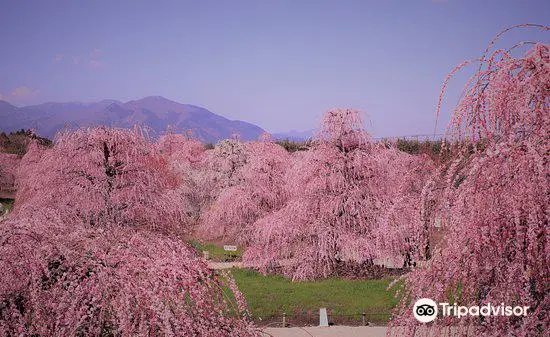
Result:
x=9 y=164
x=219 y=169
x=224 y=161
x=334 y=203
x=497 y=198
x=60 y=280
x=181 y=150
x=402 y=234
x=102 y=176
x=258 y=192
x=28 y=169
x=92 y=250
x=186 y=158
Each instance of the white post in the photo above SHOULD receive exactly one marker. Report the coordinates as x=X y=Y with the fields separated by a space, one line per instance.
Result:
x=323 y=318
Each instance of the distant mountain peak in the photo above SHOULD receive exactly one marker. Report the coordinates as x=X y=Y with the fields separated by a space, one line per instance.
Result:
x=153 y=99
x=109 y=101
x=295 y=135
x=155 y=112
x=161 y=98
x=6 y=104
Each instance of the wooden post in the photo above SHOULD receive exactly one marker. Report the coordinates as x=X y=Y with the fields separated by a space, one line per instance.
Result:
x=363 y=318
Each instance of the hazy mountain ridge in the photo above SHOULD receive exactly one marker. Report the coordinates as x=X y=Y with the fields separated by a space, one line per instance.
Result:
x=295 y=135
x=155 y=112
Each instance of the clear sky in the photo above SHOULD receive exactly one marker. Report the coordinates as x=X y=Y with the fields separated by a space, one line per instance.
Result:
x=279 y=64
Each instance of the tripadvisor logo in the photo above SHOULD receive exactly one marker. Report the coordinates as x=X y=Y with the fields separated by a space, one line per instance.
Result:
x=425 y=310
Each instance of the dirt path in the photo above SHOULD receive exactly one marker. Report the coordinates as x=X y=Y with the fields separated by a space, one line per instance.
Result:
x=332 y=331
x=224 y=265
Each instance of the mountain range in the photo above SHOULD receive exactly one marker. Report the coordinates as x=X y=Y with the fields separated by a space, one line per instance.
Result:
x=155 y=112
x=294 y=135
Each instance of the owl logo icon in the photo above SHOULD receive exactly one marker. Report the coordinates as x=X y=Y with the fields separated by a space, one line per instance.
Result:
x=425 y=310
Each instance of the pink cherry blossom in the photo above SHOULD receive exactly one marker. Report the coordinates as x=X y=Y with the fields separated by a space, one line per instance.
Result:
x=95 y=246
x=102 y=176
x=340 y=192
x=257 y=191
x=61 y=280
x=494 y=201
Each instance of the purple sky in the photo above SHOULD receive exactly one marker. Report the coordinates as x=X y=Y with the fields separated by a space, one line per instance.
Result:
x=278 y=64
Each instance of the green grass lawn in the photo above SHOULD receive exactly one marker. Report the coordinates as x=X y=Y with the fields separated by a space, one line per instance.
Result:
x=7 y=205
x=269 y=296
x=216 y=251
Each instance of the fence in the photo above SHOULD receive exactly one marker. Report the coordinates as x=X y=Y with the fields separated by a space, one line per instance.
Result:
x=419 y=137
x=371 y=317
